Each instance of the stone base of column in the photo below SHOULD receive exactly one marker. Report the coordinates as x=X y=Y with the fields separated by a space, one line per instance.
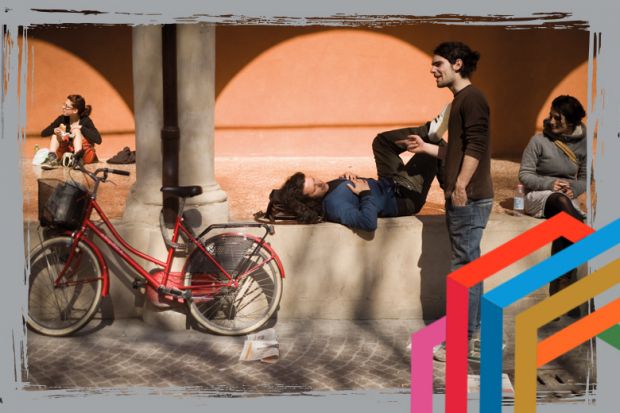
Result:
x=171 y=319
x=141 y=229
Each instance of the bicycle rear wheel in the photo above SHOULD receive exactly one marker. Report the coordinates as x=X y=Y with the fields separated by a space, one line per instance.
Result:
x=59 y=305
x=230 y=310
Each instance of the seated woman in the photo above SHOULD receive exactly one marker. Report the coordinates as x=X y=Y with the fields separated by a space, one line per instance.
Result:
x=356 y=202
x=553 y=170
x=72 y=131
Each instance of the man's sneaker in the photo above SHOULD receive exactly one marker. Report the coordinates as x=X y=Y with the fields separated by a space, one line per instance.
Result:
x=50 y=162
x=474 y=350
x=439 y=352
x=473 y=354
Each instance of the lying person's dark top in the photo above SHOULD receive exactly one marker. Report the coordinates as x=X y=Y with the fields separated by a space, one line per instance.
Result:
x=360 y=212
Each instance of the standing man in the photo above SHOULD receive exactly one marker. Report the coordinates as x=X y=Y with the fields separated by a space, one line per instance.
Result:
x=465 y=172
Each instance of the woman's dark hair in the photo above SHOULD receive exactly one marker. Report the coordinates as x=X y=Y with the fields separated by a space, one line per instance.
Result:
x=309 y=210
x=570 y=108
x=457 y=50
x=79 y=103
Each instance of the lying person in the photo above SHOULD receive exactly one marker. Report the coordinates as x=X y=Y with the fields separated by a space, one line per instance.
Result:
x=356 y=202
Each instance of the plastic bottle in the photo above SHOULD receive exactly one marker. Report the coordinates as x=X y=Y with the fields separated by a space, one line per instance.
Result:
x=519 y=199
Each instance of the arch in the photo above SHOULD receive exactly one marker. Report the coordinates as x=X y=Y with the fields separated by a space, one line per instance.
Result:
x=518 y=70
x=574 y=84
x=326 y=92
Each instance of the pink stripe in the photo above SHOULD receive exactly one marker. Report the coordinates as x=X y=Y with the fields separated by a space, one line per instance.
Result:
x=456 y=347
x=422 y=343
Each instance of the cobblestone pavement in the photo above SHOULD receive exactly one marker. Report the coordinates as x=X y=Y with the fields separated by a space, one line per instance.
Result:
x=314 y=356
x=321 y=355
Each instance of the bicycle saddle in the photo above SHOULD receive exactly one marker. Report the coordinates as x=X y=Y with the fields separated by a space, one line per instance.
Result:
x=182 y=191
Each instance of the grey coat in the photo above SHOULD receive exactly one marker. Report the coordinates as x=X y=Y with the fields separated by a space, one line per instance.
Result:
x=543 y=162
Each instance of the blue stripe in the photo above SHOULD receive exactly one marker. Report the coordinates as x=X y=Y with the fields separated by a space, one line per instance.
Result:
x=491 y=334
x=495 y=301
x=553 y=267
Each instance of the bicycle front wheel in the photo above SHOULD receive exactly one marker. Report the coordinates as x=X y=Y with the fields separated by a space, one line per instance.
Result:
x=240 y=309
x=64 y=286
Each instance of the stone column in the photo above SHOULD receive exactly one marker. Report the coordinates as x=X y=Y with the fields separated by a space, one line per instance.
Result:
x=196 y=97
x=145 y=199
x=196 y=84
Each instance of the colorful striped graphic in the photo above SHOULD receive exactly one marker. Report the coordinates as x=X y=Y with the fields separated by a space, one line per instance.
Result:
x=453 y=327
x=529 y=354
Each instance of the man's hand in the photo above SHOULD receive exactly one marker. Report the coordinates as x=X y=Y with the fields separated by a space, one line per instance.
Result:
x=413 y=144
x=349 y=176
x=359 y=185
x=459 y=196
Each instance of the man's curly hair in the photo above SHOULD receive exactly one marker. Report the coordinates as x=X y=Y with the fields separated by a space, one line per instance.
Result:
x=309 y=210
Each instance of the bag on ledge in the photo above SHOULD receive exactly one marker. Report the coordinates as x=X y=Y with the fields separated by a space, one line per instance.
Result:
x=277 y=212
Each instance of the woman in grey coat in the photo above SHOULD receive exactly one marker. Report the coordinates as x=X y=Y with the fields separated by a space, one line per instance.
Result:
x=553 y=170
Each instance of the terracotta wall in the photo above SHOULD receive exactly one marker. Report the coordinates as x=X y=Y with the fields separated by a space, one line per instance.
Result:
x=307 y=91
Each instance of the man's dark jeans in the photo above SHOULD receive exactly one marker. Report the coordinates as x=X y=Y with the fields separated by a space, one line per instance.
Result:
x=414 y=179
x=465 y=227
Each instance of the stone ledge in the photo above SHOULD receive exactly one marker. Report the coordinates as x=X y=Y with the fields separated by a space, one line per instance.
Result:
x=333 y=272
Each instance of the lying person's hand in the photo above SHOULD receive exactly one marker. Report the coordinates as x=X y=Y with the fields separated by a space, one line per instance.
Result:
x=359 y=185
x=413 y=144
x=349 y=176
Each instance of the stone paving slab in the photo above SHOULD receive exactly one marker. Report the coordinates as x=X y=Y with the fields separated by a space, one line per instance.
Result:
x=319 y=355
x=314 y=356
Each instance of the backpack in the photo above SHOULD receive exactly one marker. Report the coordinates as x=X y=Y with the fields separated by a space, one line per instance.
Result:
x=277 y=212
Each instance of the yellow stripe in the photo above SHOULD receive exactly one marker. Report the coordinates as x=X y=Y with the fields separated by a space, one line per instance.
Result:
x=528 y=322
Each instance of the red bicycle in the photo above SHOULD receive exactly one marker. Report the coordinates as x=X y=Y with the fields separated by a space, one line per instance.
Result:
x=231 y=282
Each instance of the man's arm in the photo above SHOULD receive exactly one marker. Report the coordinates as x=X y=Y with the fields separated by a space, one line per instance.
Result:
x=469 y=166
x=476 y=144
x=415 y=144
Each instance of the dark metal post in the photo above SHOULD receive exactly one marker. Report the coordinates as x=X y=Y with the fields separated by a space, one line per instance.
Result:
x=170 y=135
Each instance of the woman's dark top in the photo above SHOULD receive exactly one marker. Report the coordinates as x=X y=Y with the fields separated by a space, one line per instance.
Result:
x=89 y=131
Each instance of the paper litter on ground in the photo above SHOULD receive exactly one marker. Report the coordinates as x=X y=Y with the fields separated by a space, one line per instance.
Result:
x=261 y=346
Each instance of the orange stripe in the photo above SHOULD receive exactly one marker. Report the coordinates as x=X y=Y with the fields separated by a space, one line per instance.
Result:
x=578 y=332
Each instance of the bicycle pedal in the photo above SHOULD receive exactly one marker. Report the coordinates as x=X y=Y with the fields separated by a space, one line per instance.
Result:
x=138 y=283
x=171 y=291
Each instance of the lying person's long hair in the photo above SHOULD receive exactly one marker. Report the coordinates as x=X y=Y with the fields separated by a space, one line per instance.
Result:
x=309 y=210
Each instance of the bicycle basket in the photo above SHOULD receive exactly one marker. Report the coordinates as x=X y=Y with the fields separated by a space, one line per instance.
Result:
x=61 y=204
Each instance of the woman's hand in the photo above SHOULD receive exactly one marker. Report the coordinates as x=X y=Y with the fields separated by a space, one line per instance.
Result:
x=359 y=185
x=563 y=186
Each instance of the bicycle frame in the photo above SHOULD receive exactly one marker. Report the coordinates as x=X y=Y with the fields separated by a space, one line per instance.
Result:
x=179 y=229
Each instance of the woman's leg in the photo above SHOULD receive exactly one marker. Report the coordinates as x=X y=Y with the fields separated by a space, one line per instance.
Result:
x=54 y=144
x=555 y=204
